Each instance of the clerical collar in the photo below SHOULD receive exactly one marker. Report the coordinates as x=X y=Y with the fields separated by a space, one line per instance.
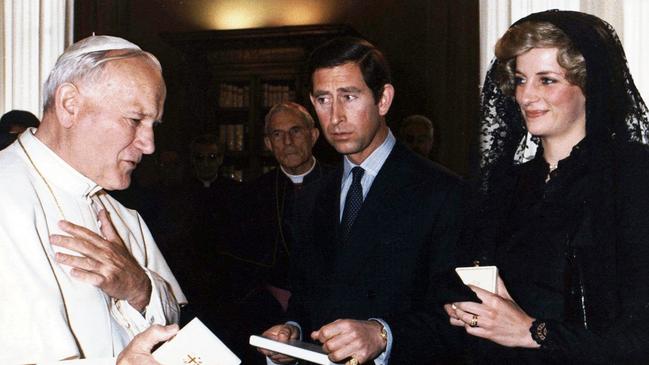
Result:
x=208 y=183
x=298 y=179
x=53 y=168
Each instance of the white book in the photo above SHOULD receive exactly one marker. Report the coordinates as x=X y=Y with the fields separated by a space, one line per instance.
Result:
x=296 y=349
x=195 y=344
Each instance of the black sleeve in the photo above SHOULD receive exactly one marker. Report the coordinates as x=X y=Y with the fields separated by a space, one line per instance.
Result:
x=626 y=340
x=423 y=334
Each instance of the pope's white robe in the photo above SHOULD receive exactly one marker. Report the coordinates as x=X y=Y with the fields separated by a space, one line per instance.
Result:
x=45 y=314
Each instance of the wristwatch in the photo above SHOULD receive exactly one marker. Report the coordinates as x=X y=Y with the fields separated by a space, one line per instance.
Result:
x=383 y=333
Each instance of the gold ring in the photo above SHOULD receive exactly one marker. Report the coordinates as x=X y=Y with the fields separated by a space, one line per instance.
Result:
x=352 y=361
x=474 y=321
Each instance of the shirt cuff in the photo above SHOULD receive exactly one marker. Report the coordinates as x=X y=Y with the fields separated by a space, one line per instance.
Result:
x=128 y=317
x=384 y=357
x=293 y=323
x=270 y=362
x=135 y=321
x=162 y=307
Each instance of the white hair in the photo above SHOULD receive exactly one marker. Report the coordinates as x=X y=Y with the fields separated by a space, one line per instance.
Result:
x=307 y=119
x=85 y=60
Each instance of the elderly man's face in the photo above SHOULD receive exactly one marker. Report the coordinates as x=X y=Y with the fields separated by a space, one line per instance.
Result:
x=113 y=127
x=291 y=141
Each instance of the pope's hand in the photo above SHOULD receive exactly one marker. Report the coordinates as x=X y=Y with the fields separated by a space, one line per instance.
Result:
x=138 y=352
x=106 y=262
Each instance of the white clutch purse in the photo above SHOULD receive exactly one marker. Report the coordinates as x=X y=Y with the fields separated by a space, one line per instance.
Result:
x=483 y=277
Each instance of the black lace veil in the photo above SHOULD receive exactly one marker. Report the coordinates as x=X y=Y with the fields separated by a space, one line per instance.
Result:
x=614 y=107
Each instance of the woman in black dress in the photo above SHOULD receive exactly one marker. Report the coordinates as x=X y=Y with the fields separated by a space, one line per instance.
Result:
x=568 y=228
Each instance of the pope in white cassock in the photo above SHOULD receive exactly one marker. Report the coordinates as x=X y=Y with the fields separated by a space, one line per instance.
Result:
x=80 y=274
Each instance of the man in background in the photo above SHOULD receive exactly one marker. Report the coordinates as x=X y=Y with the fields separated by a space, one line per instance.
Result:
x=206 y=213
x=212 y=198
x=417 y=132
x=81 y=274
x=13 y=123
x=206 y=159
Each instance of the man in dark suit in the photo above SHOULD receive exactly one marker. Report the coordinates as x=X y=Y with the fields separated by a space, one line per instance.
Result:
x=366 y=276
x=212 y=197
x=203 y=216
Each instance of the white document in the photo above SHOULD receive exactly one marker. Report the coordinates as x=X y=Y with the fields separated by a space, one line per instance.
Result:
x=296 y=349
x=481 y=276
x=195 y=344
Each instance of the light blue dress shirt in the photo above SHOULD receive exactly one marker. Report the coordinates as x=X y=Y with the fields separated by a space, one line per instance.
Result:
x=372 y=165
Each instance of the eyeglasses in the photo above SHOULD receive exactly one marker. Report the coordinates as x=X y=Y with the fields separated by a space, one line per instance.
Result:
x=207 y=157
x=294 y=132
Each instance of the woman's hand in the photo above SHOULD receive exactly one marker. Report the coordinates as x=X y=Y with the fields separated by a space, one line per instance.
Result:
x=498 y=318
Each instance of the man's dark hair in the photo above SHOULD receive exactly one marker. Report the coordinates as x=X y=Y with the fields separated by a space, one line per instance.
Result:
x=206 y=140
x=338 y=51
x=17 y=117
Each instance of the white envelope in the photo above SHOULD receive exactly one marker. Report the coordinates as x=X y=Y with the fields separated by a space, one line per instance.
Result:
x=195 y=344
x=481 y=276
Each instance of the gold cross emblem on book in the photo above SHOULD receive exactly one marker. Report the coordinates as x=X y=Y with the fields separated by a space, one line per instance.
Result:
x=192 y=360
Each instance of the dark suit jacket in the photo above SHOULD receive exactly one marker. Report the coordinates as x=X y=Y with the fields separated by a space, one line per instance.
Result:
x=400 y=245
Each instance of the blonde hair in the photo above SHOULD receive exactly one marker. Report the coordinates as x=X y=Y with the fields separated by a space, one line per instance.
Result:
x=522 y=37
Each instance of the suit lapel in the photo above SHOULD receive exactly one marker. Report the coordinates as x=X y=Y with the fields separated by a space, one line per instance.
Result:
x=386 y=187
x=380 y=203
